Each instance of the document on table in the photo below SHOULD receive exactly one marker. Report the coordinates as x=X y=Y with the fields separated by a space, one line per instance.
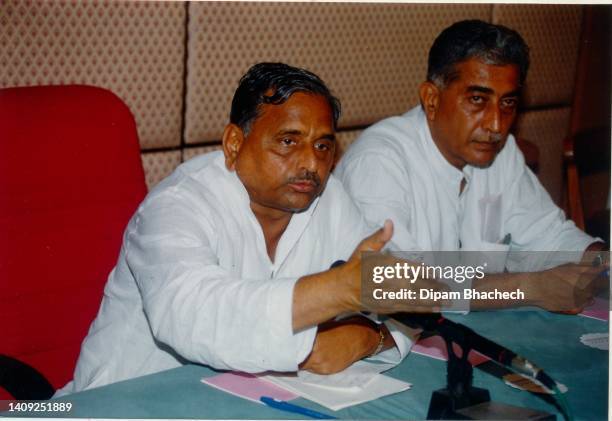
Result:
x=361 y=382
x=248 y=386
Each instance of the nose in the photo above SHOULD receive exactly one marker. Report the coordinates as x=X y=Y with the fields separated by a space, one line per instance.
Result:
x=492 y=121
x=308 y=159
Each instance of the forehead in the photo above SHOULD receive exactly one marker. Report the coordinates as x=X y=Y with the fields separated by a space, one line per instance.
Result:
x=501 y=79
x=299 y=111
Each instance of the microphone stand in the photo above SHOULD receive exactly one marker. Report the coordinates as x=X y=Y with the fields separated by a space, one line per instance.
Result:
x=460 y=399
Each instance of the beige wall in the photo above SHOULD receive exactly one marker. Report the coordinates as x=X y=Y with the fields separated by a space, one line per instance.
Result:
x=177 y=64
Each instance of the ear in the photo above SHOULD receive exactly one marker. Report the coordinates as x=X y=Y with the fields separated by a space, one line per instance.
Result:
x=233 y=139
x=430 y=98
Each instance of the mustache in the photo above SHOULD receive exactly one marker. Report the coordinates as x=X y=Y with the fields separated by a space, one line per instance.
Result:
x=491 y=138
x=306 y=176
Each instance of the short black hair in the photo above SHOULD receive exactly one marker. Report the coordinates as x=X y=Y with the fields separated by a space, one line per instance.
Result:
x=493 y=44
x=274 y=83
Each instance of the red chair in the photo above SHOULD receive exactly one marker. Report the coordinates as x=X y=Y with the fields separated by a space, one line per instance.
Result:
x=70 y=178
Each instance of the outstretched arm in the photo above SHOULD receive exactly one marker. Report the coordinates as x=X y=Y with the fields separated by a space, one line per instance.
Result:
x=320 y=297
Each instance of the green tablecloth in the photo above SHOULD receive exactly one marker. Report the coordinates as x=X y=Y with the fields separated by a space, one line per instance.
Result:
x=550 y=340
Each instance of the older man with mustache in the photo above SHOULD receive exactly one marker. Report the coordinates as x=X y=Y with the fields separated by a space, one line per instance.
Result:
x=448 y=173
x=226 y=261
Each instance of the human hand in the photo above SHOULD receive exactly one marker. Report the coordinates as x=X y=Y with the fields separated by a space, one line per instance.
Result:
x=339 y=344
x=567 y=288
x=322 y=296
x=350 y=271
x=358 y=270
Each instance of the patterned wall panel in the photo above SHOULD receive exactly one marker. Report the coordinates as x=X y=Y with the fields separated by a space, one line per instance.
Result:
x=136 y=49
x=372 y=55
x=189 y=153
x=547 y=129
x=159 y=165
x=553 y=35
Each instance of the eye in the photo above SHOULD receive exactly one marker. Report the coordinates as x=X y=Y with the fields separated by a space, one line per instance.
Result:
x=287 y=141
x=509 y=103
x=322 y=146
x=477 y=99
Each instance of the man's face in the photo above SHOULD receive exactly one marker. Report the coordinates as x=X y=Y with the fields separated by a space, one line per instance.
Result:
x=473 y=114
x=285 y=160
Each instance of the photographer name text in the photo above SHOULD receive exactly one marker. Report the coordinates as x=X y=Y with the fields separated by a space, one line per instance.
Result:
x=433 y=295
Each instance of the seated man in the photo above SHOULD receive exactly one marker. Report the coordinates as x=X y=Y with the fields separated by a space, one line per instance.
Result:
x=448 y=173
x=213 y=264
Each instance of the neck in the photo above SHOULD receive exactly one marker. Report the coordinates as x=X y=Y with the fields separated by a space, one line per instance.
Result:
x=273 y=224
x=457 y=163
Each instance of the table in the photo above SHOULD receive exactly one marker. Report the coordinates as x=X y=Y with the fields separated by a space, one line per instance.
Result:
x=549 y=340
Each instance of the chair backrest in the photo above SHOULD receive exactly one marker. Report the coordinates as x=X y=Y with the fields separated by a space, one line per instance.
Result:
x=70 y=178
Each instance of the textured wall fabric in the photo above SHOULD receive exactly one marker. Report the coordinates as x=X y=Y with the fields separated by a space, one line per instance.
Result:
x=135 y=49
x=189 y=153
x=547 y=129
x=159 y=165
x=553 y=35
x=372 y=55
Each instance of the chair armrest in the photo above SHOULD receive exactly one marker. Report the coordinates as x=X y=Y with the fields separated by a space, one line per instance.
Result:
x=531 y=153
x=23 y=381
x=573 y=196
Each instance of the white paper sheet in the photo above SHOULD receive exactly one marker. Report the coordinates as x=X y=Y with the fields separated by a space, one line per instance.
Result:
x=357 y=376
x=357 y=384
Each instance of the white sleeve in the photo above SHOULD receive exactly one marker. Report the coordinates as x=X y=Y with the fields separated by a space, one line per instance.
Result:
x=197 y=308
x=404 y=340
x=350 y=226
x=535 y=222
x=381 y=194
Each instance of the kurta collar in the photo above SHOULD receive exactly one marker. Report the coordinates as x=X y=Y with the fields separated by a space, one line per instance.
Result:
x=437 y=161
x=293 y=232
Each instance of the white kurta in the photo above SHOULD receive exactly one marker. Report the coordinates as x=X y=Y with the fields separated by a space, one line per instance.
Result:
x=194 y=281
x=394 y=170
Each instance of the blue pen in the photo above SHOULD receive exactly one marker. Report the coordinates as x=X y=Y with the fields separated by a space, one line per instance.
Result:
x=286 y=406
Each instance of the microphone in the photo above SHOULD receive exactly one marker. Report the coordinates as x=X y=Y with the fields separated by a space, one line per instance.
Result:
x=463 y=335
x=435 y=323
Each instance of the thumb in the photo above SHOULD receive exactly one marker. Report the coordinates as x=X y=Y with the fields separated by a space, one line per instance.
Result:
x=376 y=241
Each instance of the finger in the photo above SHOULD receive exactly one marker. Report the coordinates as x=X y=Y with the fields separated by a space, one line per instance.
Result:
x=376 y=241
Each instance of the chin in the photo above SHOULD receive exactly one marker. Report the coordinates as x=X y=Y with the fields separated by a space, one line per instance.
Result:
x=482 y=159
x=481 y=163
x=292 y=206
x=299 y=202
x=298 y=206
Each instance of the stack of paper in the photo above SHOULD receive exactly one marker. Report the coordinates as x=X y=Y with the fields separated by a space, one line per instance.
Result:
x=361 y=382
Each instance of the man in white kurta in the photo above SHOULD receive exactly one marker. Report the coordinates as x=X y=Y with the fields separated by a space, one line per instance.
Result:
x=448 y=173
x=194 y=282
x=395 y=170
x=226 y=261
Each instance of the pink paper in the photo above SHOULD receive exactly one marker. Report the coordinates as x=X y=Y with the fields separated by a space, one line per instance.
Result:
x=598 y=310
x=435 y=347
x=248 y=386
